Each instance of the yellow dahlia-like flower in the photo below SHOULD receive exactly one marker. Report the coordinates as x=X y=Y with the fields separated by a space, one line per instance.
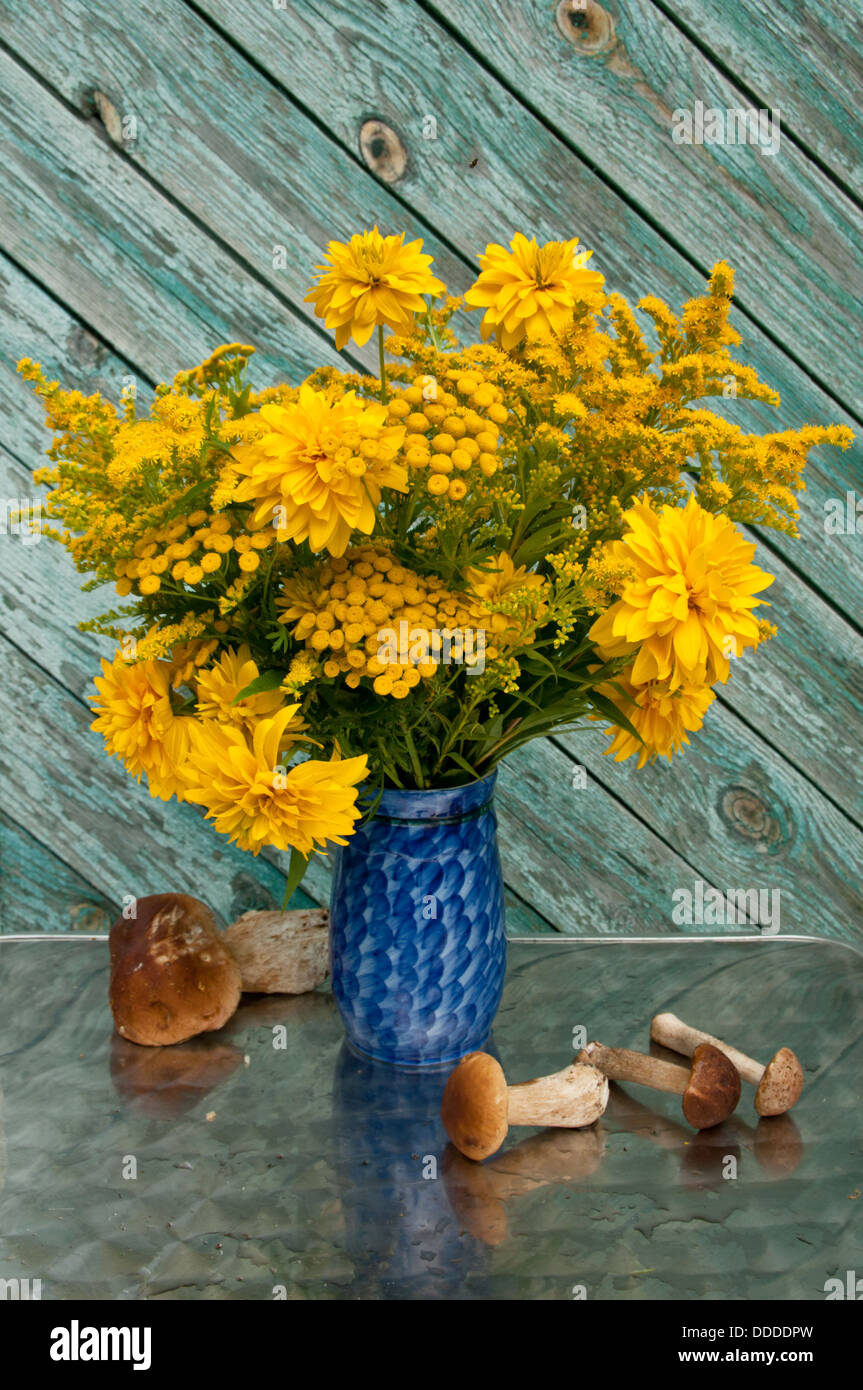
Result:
x=248 y=797
x=369 y=281
x=688 y=609
x=219 y=685
x=662 y=717
x=138 y=723
x=499 y=578
x=498 y=585
x=317 y=474
x=531 y=290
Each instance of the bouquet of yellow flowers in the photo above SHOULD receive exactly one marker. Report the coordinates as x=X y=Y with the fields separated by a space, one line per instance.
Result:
x=396 y=580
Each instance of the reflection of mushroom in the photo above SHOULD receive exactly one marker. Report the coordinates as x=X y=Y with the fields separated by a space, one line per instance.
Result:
x=167 y=1081
x=775 y=1142
x=295 y=1011
x=701 y=1155
x=478 y=1106
x=479 y=1192
x=779 y=1082
x=710 y=1086
x=777 y=1145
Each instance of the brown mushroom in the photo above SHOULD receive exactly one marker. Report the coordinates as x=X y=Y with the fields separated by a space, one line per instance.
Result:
x=172 y=976
x=478 y=1106
x=779 y=1082
x=710 y=1086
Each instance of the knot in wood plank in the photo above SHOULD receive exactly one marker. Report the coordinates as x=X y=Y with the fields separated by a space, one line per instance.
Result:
x=87 y=917
x=84 y=350
x=749 y=816
x=382 y=151
x=586 y=25
x=109 y=116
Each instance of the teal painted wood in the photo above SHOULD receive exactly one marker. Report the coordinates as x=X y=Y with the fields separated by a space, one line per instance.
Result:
x=759 y=697
x=807 y=60
x=197 y=145
x=809 y=548
x=586 y=884
x=119 y=253
x=39 y=892
x=795 y=237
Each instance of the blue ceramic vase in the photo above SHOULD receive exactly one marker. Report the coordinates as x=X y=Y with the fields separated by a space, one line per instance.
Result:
x=418 y=948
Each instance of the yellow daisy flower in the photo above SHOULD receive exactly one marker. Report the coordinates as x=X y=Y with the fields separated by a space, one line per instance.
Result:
x=688 y=609
x=372 y=280
x=317 y=474
x=138 y=723
x=249 y=798
x=662 y=717
x=499 y=578
x=219 y=685
x=531 y=290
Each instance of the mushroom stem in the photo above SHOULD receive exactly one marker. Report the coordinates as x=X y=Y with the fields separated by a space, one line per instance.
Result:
x=478 y=1106
x=710 y=1086
x=619 y=1064
x=568 y=1098
x=672 y=1032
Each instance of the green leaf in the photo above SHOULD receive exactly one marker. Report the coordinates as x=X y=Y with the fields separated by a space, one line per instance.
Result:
x=267 y=680
x=299 y=864
x=613 y=713
x=463 y=764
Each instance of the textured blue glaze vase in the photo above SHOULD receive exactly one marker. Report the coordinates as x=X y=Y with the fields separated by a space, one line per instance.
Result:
x=418 y=948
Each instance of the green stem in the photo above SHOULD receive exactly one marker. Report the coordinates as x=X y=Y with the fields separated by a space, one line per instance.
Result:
x=415 y=762
x=383 y=364
x=432 y=330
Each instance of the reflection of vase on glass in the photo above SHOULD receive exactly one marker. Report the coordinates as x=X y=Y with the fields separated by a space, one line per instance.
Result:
x=400 y=1231
x=417 y=913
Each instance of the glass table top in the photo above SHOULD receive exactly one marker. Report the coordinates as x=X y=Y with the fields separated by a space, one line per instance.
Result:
x=268 y=1161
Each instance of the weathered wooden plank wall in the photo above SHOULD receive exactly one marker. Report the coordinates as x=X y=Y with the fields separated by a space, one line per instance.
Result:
x=157 y=156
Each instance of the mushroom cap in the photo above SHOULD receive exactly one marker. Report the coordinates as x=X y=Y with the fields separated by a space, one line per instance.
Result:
x=172 y=976
x=781 y=1084
x=713 y=1089
x=474 y=1106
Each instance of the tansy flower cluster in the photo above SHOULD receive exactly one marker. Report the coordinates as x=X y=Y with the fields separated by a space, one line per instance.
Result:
x=451 y=428
x=344 y=610
x=557 y=501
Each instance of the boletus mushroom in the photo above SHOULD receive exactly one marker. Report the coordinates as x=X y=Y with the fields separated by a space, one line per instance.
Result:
x=172 y=976
x=710 y=1086
x=779 y=1081
x=478 y=1106
x=281 y=952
